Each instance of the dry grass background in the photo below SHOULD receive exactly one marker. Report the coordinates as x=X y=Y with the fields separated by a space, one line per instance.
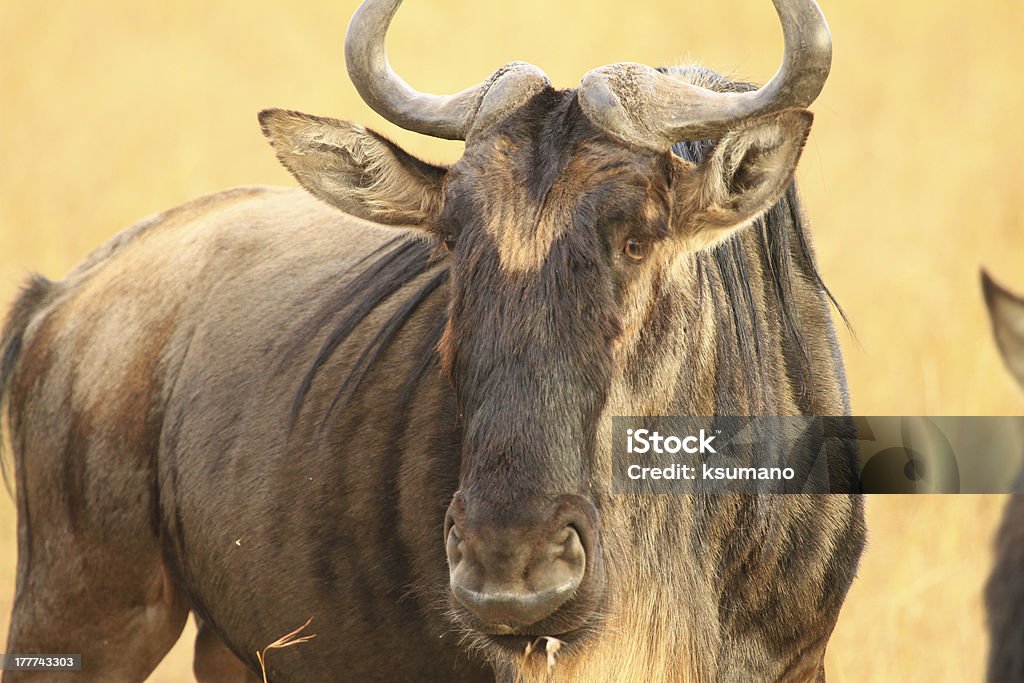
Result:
x=113 y=110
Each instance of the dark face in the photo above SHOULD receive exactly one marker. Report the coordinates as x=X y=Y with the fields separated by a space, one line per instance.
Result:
x=537 y=216
x=563 y=244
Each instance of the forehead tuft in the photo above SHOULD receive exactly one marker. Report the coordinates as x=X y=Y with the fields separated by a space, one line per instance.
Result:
x=546 y=172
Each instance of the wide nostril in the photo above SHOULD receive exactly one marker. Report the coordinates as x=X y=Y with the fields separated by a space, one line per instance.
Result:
x=518 y=585
x=567 y=547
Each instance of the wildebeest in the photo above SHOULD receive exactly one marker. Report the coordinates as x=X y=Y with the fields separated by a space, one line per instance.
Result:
x=1004 y=593
x=385 y=403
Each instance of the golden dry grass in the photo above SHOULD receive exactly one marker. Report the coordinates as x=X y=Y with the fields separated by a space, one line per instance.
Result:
x=111 y=111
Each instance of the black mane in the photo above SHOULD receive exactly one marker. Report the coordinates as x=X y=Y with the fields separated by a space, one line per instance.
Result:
x=383 y=272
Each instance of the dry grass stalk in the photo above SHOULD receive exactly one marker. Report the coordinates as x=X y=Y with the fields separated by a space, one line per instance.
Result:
x=287 y=640
x=551 y=647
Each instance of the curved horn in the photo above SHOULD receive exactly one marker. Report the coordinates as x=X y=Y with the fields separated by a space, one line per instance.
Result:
x=645 y=107
x=444 y=116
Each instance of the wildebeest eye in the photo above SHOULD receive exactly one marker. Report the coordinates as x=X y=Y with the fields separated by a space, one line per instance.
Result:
x=634 y=249
x=449 y=241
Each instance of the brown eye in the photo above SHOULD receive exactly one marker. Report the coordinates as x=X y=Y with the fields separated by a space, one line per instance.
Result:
x=449 y=241
x=634 y=249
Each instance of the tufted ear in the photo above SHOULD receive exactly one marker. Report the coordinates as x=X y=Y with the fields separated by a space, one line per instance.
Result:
x=743 y=176
x=355 y=169
x=1007 y=314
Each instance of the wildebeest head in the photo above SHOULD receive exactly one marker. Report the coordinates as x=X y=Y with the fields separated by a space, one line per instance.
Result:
x=561 y=216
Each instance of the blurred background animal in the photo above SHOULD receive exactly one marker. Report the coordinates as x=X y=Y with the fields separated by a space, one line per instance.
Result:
x=1004 y=593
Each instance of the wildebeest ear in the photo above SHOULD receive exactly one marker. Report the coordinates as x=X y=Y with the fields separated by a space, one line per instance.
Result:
x=1007 y=313
x=355 y=169
x=743 y=176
